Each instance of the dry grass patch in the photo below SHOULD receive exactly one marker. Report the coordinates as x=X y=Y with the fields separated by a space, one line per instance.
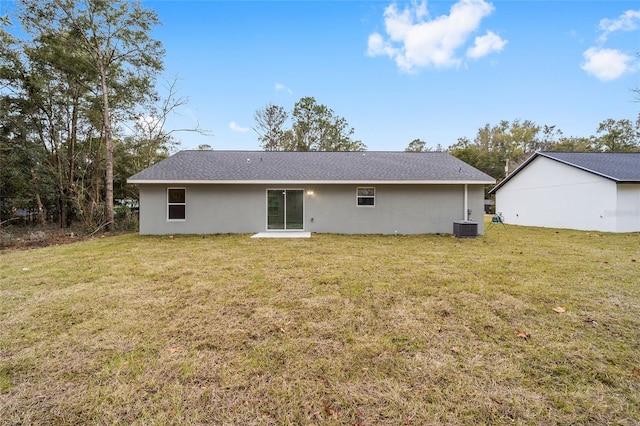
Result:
x=357 y=330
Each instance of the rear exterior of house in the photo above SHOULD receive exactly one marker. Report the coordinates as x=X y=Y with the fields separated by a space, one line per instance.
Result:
x=210 y=192
x=583 y=191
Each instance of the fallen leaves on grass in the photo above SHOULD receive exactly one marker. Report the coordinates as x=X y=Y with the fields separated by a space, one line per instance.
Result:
x=636 y=372
x=560 y=309
x=330 y=411
x=523 y=335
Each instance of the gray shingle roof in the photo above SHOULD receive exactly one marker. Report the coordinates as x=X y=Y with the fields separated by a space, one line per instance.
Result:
x=621 y=167
x=279 y=166
x=618 y=166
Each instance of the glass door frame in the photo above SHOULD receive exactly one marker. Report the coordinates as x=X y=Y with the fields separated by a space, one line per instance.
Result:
x=284 y=209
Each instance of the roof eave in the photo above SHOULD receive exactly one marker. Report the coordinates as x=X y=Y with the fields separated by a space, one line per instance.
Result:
x=307 y=182
x=550 y=156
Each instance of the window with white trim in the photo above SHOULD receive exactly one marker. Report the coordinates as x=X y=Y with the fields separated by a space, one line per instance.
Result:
x=176 y=203
x=366 y=196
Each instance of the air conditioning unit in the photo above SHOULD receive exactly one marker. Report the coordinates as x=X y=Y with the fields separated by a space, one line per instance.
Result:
x=465 y=229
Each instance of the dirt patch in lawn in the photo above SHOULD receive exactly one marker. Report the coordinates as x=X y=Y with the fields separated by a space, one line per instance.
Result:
x=28 y=237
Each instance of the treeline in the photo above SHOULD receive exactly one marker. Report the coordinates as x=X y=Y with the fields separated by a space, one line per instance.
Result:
x=498 y=148
x=79 y=109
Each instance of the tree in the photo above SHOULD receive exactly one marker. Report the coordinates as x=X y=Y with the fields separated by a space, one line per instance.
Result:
x=269 y=122
x=507 y=143
x=113 y=38
x=416 y=145
x=24 y=182
x=44 y=89
x=618 y=136
x=573 y=144
x=52 y=109
x=315 y=127
x=150 y=142
x=489 y=161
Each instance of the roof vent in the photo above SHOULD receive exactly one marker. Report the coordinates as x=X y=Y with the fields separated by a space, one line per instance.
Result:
x=248 y=160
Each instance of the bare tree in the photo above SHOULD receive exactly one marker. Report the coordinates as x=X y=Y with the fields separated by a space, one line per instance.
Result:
x=269 y=122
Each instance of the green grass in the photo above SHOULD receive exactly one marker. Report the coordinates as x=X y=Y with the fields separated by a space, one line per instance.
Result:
x=354 y=330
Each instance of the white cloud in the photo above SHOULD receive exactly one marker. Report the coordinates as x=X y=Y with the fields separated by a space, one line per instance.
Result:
x=628 y=21
x=606 y=64
x=485 y=45
x=414 y=41
x=282 y=87
x=609 y=64
x=236 y=128
x=377 y=46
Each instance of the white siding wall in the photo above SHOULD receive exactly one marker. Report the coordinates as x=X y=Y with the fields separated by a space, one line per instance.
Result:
x=407 y=209
x=550 y=194
x=628 y=211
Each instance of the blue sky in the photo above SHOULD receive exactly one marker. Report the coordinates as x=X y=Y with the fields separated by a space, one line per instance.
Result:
x=397 y=71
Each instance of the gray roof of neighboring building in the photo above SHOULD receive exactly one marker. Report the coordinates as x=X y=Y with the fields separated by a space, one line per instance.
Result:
x=330 y=167
x=620 y=167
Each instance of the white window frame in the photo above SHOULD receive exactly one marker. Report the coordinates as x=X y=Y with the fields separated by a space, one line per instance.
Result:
x=177 y=204
x=359 y=197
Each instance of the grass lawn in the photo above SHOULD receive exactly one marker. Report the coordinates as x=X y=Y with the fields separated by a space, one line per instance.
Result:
x=336 y=329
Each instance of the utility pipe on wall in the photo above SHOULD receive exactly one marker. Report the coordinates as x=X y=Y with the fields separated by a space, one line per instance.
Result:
x=466 y=202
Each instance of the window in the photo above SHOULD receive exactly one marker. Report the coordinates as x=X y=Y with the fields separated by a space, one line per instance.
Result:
x=366 y=197
x=176 y=204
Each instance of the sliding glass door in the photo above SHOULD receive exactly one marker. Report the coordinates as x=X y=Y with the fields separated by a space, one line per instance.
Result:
x=285 y=209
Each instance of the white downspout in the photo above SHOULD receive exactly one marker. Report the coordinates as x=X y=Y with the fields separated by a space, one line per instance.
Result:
x=466 y=204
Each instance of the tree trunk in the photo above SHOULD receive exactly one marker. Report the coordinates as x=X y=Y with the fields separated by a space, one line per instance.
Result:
x=36 y=186
x=72 y=199
x=60 y=183
x=109 y=149
x=95 y=200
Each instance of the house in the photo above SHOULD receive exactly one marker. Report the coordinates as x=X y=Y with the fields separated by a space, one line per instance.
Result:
x=574 y=190
x=207 y=192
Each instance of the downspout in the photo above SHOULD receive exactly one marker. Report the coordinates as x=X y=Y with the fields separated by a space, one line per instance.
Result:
x=466 y=204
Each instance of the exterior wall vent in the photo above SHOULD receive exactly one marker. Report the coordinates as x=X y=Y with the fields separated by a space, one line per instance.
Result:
x=465 y=229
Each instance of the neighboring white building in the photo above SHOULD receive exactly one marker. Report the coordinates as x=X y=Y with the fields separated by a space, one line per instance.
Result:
x=573 y=190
